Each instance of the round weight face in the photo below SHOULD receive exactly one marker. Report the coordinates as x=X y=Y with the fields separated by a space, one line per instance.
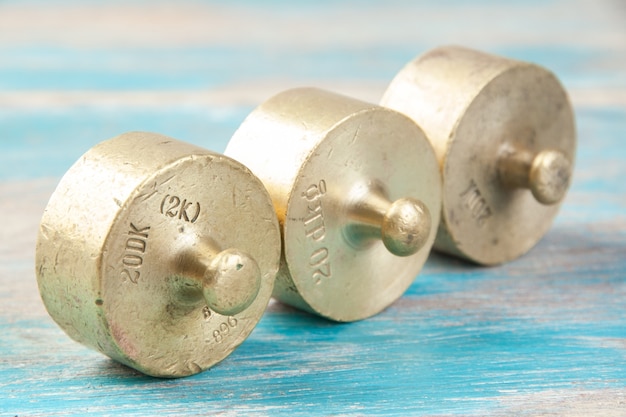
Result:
x=145 y=241
x=191 y=209
x=350 y=279
x=523 y=108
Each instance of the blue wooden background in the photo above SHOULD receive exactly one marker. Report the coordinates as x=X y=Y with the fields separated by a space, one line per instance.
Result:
x=543 y=335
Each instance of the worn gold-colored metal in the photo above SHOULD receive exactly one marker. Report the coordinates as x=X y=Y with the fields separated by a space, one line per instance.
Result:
x=158 y=253
x=504 y=135
x=357 y=191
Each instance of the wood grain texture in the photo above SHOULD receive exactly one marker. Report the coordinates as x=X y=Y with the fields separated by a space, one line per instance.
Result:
x=543 y=335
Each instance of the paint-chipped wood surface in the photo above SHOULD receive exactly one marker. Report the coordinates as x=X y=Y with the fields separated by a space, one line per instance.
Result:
x=543 y=335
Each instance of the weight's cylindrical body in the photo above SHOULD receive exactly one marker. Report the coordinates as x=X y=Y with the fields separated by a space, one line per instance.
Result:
x=332 y=166
x=489 y=120
x=126 y=238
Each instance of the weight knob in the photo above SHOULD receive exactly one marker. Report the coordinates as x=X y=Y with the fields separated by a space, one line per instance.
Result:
x=357 y=191
x=504 y=134
x=157 y=253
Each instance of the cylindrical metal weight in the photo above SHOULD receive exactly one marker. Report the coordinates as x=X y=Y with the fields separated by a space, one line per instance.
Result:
x=505 y=138
x=157 y=253
x=357 y=191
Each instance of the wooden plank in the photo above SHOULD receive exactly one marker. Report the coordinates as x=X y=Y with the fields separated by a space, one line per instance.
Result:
x=543 y=335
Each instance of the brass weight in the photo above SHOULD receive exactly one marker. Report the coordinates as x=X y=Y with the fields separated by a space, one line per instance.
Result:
x=158 y=253
x=357 y=191
x=505 y=138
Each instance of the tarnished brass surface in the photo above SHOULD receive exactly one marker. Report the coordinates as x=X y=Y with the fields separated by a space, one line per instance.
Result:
x=505 y=138
x=357 y=192
x=158 y=253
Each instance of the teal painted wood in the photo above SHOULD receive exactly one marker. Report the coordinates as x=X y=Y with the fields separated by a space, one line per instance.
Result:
x=543 y=335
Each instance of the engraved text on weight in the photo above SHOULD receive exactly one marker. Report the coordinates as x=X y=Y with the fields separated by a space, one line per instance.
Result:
x=224 y=329
x=315 y=229
x=134 y=250
x=173 y=206
x=476 y=204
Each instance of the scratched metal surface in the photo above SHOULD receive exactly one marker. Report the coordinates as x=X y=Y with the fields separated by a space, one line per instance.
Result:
x=544 y=335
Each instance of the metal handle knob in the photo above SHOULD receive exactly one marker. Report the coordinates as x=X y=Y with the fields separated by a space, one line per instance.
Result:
x=406 y=226
x=231 y=282
x=227 y=280
x=547 y=173
x=403 y=225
